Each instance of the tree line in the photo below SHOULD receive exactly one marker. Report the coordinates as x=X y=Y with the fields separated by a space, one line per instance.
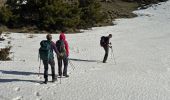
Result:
x=51 y=15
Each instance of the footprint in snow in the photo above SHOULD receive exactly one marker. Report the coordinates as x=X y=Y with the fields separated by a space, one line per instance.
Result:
x=46 y=87
x=37 y=94
x=53 y=93
x=53 y=84
x=39 y=99
x=17 y=89
x=18 y=98
x=95 y=69
x=37 y=84
x=39 y=77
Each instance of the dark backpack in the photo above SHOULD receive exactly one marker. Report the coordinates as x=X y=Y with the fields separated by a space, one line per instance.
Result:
x=61 y=48
x=45 y=51
x=102 y=41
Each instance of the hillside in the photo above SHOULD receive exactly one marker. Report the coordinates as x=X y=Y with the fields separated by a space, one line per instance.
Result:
x=108 y=12
x=118 y=9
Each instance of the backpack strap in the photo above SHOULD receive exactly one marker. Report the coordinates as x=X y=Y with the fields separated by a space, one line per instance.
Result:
x=50 y=50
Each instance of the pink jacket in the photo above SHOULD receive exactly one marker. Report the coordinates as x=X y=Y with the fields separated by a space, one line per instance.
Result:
x=63 y=37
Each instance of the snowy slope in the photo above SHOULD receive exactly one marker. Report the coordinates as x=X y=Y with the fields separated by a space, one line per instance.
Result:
x=141 y=47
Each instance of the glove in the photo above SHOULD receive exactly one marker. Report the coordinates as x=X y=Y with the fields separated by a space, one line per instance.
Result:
x=59 y=55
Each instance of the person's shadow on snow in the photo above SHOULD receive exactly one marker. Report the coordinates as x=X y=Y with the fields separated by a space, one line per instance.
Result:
x=18 y=73
x=17 y=80
x=83 y=60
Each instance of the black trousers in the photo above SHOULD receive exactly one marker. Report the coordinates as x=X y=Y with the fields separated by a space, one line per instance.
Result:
x=65 y=61
x=106 y=49
x=52 y=64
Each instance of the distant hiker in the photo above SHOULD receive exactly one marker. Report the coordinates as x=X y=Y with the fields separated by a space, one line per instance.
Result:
x=104 y=42
x=46 y=54
x=63 y=48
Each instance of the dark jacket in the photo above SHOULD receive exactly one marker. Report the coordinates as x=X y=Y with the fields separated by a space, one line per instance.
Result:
x=106 y=44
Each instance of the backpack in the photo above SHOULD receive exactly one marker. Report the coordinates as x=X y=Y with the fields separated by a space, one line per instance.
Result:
x=45 y=51
x=102 y=41
x=61 y=48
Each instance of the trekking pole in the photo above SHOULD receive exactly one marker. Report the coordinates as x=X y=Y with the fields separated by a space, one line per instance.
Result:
x=39 y=64
x=57 y=76
x=60 y=79
x=113 y=55
x=38 y=56
x=72 y=65
x=39 y=69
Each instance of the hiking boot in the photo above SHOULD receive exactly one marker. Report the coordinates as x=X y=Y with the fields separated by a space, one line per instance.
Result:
x=54 y=79
x=45 y=82
x=59 y=75
x=65 y=75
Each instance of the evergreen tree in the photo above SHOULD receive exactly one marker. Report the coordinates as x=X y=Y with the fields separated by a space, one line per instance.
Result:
x=5 y=15
x=58 y=15
x=51 y=14
x=90 y=12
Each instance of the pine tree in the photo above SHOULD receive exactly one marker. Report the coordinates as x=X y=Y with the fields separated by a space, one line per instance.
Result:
x=90 y=12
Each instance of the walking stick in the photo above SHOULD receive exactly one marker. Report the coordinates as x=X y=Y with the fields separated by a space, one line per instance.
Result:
x=60 y=76
x=39 y=64
x=113 y=55
x=39 y=69
x=60 y=79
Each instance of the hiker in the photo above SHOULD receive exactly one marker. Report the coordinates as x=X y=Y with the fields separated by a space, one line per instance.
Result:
x=46 y=54
x=104 y=42
x=63 y=48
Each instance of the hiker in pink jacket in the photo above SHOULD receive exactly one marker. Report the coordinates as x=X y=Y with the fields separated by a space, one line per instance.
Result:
x=63 y=48
x=63 y=37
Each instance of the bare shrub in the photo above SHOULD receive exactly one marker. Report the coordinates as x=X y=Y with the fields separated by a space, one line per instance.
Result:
x=4 y=53
x=31 y=36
